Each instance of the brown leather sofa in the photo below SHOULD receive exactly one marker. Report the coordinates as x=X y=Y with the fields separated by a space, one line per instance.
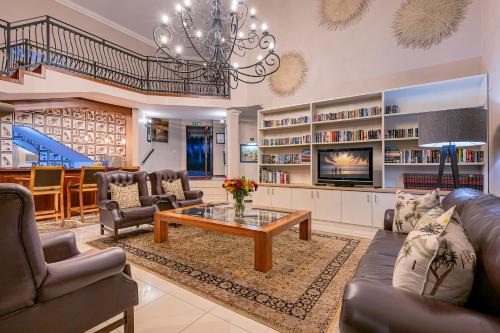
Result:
x=192 y=197
x=47 y=285
x=111 y=216
x=371 y=304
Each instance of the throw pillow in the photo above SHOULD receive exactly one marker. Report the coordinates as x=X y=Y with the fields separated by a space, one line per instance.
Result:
x=437 y=260
x=126 y=196
x=408 y=210
x=174 y=188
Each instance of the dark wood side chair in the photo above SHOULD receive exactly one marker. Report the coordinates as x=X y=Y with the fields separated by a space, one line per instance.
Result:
x=48 y=180
x=87 y=183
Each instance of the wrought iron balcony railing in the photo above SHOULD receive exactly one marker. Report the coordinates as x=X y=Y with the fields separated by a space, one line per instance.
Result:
x=46 y=40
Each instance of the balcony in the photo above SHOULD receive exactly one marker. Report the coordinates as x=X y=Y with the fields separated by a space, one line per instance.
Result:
x=30 y=43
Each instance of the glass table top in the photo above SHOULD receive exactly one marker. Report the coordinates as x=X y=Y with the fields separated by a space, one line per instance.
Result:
x=225 y=212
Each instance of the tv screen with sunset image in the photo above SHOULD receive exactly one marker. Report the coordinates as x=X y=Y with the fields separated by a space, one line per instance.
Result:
x=346 y=164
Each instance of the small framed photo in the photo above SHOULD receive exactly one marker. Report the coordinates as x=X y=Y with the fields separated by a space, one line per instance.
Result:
x=220 y=138
x=249 y=153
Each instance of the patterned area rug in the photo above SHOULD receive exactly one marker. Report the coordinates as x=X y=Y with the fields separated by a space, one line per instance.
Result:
x=302 y=292
x=70 y=223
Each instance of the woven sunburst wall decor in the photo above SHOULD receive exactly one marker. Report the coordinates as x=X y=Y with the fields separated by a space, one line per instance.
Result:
x=426 y=23
x=290 y=75
x=339 y=14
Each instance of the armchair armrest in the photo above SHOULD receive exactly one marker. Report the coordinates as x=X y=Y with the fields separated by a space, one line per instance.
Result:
x=401 y=311
x=70 y=275
x=59 y=245
x=388 y=219
x=149 y=200
x=191 y=195
x=109 y=205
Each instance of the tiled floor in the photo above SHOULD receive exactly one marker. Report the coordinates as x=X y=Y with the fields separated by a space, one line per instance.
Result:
x=164 y=307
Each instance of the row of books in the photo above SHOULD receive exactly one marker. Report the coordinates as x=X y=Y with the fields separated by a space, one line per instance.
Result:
x=349 y=114
x=295 y=140
x=347 y=136
x=294 y=158
x=401 y=133
x=285 y=122
x=426 y=181
x=270 y=176
x=418 y=156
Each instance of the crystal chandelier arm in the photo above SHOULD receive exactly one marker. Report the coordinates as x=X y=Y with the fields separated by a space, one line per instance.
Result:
x=188 y=37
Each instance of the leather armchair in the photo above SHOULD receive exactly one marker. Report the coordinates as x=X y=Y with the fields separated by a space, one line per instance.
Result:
x=46 y=280
x=191 y=197
x=111 y=216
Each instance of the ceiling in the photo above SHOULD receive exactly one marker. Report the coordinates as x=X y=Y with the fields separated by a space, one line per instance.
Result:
x=137 y=18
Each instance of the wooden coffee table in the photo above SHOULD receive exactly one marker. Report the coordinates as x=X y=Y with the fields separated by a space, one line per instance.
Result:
x=259 y=223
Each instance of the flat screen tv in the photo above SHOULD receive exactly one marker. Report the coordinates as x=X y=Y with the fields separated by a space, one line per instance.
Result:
x=346 y=167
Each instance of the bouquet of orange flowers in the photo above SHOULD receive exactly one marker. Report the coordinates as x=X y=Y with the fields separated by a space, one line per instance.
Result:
x=239 y=189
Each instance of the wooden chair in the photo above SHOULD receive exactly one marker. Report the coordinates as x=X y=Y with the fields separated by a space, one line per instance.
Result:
x=48 y=180
x=86 y=183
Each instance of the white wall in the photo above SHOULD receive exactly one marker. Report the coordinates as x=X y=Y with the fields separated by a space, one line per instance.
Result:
x=491 y=63
x=363 y=57
x=248 y=129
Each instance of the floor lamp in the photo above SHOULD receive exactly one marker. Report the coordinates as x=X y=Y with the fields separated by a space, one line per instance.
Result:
x=452 y=129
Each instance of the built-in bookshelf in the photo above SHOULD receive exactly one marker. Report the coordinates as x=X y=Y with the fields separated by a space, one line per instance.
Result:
x=386 y=120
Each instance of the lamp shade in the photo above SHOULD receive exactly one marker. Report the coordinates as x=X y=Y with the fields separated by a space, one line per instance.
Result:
x=460 y=127
x=6 y=109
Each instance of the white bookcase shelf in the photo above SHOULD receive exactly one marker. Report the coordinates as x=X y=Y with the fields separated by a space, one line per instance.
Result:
x=413 y=100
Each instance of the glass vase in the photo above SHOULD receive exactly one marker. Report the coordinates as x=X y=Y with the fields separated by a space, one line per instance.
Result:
x=239 y=206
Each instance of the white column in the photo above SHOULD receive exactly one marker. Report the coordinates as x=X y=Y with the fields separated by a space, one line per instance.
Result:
x=233 y=142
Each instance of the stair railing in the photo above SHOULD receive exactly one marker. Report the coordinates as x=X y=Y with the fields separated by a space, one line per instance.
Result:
x=46 y=40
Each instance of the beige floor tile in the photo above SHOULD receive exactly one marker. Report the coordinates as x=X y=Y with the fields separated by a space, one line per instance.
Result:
x=191 y=298
x=209 y=323
x=149 y=278
x=166 y=314
x=147 y=293
x=238 y=320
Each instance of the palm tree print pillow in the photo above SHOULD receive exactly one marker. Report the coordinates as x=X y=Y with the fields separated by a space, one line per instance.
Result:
x=408 y=210
x=437 y=260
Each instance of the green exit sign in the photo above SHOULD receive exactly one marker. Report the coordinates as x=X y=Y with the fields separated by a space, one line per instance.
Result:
x=196 y=123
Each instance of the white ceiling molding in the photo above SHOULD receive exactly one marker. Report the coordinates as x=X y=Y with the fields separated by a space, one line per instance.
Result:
x=108 y=22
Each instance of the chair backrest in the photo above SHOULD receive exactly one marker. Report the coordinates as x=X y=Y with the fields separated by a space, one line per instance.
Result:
x=88 y=176
x=155 y=178
x=23 y=263
x=480 y=214
x=120 y=178
x=46 y=178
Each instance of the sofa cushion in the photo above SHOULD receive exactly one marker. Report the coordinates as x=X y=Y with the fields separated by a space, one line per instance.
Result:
x=174 y=188
x=138 y=213
x=126 y=196
x=437 y=260
x=378 y=262
x=409 y=210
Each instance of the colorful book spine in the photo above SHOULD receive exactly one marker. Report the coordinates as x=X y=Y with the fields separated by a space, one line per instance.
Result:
x=285 y=122
x=427 y=181
x=349 y=114
x=347 y=136
x=273 y=177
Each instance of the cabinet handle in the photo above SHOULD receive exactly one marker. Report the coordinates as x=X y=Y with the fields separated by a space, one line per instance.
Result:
x=272 y=191
x=317 y=194
x=368 y=197
x=375 y=198
x=312 y=194
x=267 y=191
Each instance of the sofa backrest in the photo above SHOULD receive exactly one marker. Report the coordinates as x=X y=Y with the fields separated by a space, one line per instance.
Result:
x=168 y=175
x=480 y=214
x=120 y=178
x=23 y=264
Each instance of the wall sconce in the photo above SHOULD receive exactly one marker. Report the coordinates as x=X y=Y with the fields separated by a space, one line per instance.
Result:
x=149 y=126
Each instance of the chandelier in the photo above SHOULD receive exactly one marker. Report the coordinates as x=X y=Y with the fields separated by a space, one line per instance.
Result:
x=222 y=43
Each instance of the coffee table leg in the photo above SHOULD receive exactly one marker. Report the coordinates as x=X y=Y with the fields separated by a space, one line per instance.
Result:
x=161 y=230
x=263 y=251
x=305 y=229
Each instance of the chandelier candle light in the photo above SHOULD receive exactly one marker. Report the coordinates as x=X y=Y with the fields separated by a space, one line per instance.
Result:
x=239 y=188
x=210 y=39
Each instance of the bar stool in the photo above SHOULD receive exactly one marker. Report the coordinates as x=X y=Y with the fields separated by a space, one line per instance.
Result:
x=48 y=180
x=87 y=182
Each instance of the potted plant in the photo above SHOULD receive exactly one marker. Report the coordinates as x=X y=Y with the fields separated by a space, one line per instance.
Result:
x=239 y=187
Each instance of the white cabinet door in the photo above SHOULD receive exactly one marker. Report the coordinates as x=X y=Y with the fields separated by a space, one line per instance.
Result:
x=303 y=199
x=262 y=197
x=281 y=197
x=380 y=203
x=357 y=208
x=328 y=205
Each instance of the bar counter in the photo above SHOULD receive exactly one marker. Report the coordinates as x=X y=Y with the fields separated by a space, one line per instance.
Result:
x=21 y=176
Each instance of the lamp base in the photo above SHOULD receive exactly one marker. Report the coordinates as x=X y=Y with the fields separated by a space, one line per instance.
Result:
x=452 y=151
